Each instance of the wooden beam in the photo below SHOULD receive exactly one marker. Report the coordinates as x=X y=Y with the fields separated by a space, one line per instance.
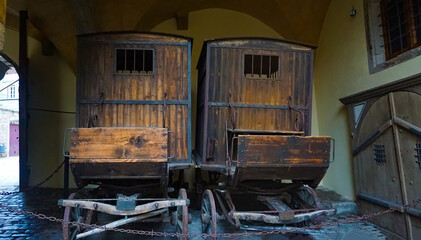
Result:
x=274 y=219
x=182 y=20
x=119 y=223
x=111 y=209
x=84 y=19
x=23 y=101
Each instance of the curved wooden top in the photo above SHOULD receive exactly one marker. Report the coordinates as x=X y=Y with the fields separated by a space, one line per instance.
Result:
x=138 y=36
x=253 y=42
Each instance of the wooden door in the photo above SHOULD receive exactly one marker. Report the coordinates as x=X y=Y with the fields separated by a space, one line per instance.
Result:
x=407 y=122
x=387 y=161
x=14 y=140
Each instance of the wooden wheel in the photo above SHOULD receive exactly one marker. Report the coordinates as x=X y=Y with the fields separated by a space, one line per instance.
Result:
x=182 y=219
x=305 y=197
x=75 y=215
x=208 y=213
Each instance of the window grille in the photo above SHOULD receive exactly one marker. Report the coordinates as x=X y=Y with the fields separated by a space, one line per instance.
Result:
x=401 y=23
x=261 y=66
x=12 y=92
x=418 y=153
x=379 y=154
x=134 y=61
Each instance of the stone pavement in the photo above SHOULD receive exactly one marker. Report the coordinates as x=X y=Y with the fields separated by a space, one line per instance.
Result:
x=43 y=200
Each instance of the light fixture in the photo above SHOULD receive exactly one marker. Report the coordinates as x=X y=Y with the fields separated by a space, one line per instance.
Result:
x=353 y=12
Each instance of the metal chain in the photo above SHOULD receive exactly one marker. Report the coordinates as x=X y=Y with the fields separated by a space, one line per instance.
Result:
x=37 y=185
x=205 y=235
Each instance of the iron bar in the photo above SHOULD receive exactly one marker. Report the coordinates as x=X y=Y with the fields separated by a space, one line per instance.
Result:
x=142 y=102
x=241 y=105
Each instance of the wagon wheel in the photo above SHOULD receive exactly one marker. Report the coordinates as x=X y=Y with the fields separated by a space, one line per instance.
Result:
x=208 y=214
x=182 y=219
x=75 y=215
x=304 y=198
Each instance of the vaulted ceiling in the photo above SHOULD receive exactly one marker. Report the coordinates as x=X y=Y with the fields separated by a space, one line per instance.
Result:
x=59 y=21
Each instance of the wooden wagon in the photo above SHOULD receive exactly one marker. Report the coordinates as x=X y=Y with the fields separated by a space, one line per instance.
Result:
x=253 y=127
x=133 y=129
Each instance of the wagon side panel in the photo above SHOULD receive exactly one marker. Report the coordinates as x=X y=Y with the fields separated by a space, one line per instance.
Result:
x=157 y=98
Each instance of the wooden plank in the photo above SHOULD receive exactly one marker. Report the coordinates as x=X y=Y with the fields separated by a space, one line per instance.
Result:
x=118 y=143
x=111 y=209
x=179 y=137
x=405 y=106
x=263 y=149
x=111 y=160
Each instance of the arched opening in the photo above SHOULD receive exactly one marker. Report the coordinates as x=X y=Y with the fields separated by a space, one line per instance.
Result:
x=9 y=124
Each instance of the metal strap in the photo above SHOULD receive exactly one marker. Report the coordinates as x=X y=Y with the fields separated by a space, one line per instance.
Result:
x=297 y=120
x=164 y=110
x=232 y=111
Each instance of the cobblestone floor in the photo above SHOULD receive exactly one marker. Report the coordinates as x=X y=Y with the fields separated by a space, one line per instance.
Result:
x=42 y=200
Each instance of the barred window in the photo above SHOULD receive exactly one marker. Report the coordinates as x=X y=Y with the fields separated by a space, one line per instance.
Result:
x=394 y=32
x=261 y=66
x=134 y=61
x=401 y=21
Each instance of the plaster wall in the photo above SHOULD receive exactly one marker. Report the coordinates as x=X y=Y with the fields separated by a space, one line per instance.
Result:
x=341 y=69
x=52 y=86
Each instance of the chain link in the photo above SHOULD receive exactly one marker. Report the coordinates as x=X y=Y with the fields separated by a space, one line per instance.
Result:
x=37 y=185
x=205 y=235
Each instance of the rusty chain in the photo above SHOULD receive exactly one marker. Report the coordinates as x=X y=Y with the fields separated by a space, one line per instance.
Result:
x=36 y=185
x=205 y=235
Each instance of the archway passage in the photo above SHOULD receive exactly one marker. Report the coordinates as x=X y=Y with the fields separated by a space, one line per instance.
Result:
x=9 y=126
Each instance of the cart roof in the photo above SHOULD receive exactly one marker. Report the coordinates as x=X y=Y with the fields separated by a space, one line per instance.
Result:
x=252 y=42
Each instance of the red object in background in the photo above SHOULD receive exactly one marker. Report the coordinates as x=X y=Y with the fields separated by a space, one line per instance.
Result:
x=14 y=140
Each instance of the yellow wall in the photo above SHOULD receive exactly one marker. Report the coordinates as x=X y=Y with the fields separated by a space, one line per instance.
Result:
x=341 y=69
x=52 y=86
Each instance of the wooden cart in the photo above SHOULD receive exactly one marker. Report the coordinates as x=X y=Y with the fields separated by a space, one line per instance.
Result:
x=133 y=129
x=253 y=127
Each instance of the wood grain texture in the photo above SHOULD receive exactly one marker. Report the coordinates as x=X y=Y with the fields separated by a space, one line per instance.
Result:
x=283 y=150
x=119 y=143
x=397 y=180
x=263 y=101
x=100 y=88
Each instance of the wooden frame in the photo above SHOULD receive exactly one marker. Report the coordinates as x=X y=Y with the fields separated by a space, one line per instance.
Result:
x=262 y=54
x=137 y=100
x=390 y=118
x=135 y=49
x=409 y=19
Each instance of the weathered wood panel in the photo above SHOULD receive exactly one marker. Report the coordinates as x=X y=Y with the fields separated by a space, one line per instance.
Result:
x=119 y=143
x=227 y=97
x=283 y=151
x=388 y=116
x=126 y=174
x=109 y=99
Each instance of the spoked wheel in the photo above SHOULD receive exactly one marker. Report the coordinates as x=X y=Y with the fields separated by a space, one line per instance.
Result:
x=306 y=198
x=75 y=215
x=182 y=219
x=208 y=213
